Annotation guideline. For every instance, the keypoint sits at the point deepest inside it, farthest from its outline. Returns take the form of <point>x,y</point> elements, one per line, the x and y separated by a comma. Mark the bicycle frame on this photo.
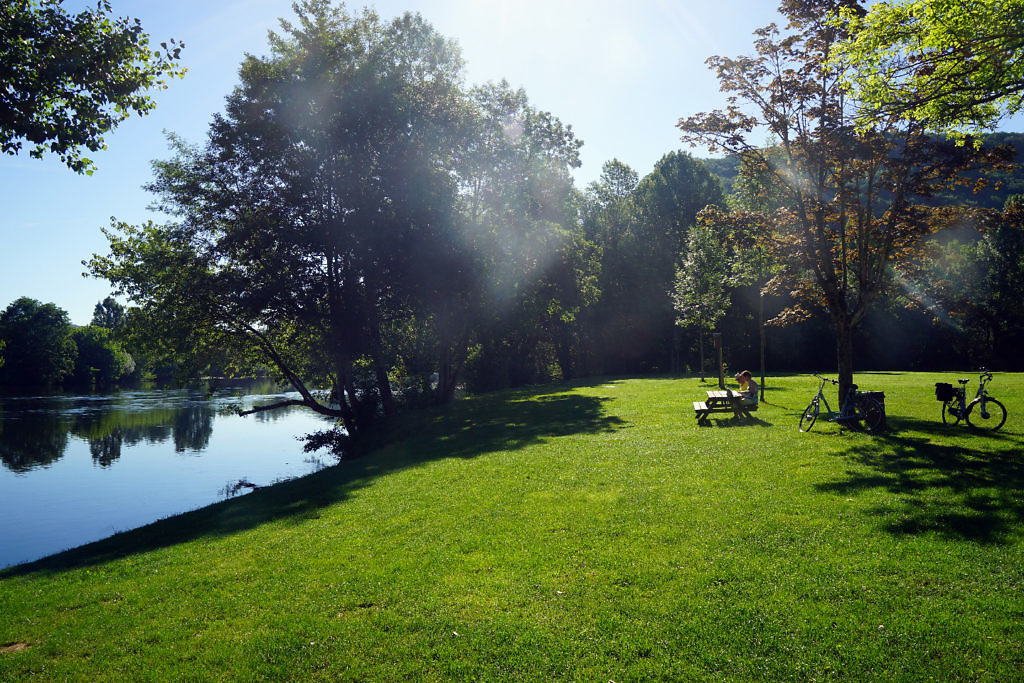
<point>960,394</point>
<point>982,393</point>
<point>852,408</point>
<point>821,397</point>
<point>845,405</point>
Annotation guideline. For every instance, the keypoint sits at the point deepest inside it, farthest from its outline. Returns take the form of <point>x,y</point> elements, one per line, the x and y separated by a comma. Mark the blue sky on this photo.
<point>620,73</point>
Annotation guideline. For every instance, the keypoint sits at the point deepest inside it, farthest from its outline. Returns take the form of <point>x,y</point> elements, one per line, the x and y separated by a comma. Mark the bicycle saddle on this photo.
<point>963,381</point>
<point>853,387</point>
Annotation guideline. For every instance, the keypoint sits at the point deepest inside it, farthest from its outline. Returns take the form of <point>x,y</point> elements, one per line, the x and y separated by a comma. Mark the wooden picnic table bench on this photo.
<point>722,401</point>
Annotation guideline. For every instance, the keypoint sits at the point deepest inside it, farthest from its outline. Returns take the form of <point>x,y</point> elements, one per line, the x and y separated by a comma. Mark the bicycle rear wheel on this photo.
<point>809,416</point>
<point>871,413</point>
<point>950,413</point>
<point>991,420</point>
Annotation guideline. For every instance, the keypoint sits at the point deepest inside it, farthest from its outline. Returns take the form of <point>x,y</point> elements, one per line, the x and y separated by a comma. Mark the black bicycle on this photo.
<point>983,412</point>
<point>853,408</point>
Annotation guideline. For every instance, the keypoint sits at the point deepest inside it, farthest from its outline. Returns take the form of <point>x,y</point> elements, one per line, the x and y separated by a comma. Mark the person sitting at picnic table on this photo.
<point>748,388</point>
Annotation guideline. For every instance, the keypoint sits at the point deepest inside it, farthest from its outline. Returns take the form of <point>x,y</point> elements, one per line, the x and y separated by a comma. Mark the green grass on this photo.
<point>588,532</point>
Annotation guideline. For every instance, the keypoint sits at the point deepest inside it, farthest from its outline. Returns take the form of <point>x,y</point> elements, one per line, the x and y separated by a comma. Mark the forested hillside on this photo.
<point>1000,187</point>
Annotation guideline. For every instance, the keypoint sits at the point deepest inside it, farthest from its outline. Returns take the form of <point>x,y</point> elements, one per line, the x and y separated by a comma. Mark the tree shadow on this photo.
<point>508,421</point>
<point>733,421</point>
<point>970,491</point>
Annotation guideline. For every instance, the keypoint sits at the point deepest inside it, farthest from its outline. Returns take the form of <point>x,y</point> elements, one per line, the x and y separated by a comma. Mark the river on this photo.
<point>78,468</point>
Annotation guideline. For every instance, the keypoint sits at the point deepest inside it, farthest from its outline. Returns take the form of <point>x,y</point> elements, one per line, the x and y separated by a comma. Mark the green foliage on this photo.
<point>109,314</point>
<point>533,270</point>
<point>70,78</point>
<point>576,532</point>
<point>699,295</point>
<point>101,360</point>
<point>724,168</point>
<point>950,65</point>
<point>974,286</point>
<point>986,187</point>
<point>317,211</point>
<point>641,227</point>
<point>39,350</point>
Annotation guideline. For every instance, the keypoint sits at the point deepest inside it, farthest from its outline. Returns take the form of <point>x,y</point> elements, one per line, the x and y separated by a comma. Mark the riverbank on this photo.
<point>589,532</point>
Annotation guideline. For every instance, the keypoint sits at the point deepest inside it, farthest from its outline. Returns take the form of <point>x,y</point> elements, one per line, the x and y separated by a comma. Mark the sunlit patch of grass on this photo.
<point>586,531</point>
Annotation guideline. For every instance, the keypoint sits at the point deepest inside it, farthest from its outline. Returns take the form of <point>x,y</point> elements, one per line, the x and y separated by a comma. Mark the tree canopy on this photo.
<point>70,78</point>
<point>356,211</point>
<point>39,350</point>
<point>109,314</point>
<point>699,294</point>
<point>101,360</point>
<point>955,65</point>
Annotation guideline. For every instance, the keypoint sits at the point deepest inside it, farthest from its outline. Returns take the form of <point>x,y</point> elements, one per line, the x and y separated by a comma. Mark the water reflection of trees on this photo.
<point>37,436</point>
<point>193,426</point>
<point>31,440</point>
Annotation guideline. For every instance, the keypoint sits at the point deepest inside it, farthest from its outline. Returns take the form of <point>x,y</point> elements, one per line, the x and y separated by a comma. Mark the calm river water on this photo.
<point>74,469</point>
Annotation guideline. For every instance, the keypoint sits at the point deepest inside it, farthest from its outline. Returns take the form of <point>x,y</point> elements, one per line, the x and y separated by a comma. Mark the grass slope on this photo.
<point>577,532</point>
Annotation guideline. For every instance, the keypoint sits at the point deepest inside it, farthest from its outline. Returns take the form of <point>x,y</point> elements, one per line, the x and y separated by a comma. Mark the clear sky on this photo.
<point>620,73</point>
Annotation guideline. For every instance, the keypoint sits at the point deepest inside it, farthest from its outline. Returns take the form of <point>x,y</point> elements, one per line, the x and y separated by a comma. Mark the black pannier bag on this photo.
<point>943,391</point>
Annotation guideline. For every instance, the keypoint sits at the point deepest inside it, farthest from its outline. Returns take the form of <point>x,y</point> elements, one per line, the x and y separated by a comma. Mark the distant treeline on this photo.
<point>961,308</point>
<point>39,347</point>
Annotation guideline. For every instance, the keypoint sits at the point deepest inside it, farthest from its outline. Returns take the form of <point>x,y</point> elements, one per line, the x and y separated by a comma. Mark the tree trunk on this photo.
<point>450,365</point>
<point>346,395</point>
<point>445,377</point>
<point>700,345</point>
<point>380,370</point>
<point>676,341</point>
<point>844,354</point>
<point>387,398</point>
<point>764,343</point>
<point>565,355</point>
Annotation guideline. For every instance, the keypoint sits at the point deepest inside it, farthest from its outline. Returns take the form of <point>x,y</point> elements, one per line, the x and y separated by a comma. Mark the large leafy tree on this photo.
<point>699,293</point>
<point>109,314</point>
<point>70,78</point>
<point>957,65</point>
<point>353,213</point>
<point>101,360</point>
<point>39,349</point>
<point>853,212</point>
<point>747,234</point>
<point>316,211</point>
<point>611,220</point>
<point>525,269</point>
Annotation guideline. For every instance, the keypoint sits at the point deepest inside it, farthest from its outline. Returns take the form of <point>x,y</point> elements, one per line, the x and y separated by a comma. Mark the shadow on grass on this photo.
<point>972,490</point>
<point>505,421</point>
<point>732,421</point>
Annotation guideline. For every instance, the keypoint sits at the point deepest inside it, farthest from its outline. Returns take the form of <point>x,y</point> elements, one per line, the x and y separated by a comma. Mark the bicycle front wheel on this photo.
<point>990,419</point>
<point>950,413</point>
<point>809,416</point>
<point>872,415</point>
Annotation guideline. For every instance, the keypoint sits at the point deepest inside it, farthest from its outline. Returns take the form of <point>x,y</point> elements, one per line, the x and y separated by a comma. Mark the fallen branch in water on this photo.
<point>274,406</point>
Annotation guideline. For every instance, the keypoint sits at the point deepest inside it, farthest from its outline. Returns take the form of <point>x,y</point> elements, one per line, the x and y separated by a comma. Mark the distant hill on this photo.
<point>725,168</point>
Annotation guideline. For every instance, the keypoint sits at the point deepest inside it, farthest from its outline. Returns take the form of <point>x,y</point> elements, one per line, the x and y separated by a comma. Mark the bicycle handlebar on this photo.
<point>826,379</point>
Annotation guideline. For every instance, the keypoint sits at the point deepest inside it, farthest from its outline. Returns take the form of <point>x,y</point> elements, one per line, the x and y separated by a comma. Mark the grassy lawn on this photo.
<point>588,532</point>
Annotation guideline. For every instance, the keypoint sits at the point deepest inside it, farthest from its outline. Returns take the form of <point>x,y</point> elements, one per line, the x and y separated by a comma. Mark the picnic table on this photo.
<point>722,401</point>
